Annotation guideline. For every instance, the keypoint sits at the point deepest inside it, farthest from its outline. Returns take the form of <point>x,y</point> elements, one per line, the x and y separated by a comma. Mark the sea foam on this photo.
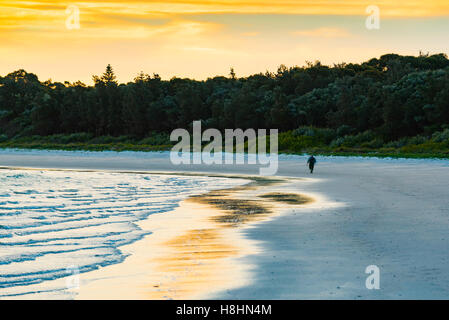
<point>53,220</point>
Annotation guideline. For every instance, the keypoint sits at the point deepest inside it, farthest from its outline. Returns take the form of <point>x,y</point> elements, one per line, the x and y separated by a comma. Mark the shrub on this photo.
<point>416,140</point>
<point>288,141</point>
<point>337,142</point>
<point>110,139</point>
<point>156,139</point>
<point>397,144</point>
<point>373,144</point>
<point>78,137</point>
<point>441,136</point>
<point>304,131</point>
<point>344,130</point>
<point>407,141</point>
<point>64,139</point>
<point>321,135</point>
<point>354,141</point>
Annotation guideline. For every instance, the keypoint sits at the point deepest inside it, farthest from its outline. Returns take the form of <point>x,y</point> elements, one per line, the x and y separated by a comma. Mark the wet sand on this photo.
<point>194,251</point>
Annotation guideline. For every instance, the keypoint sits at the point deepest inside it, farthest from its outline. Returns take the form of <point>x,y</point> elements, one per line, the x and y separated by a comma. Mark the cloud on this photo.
<point>397,8</point>
<point>250,34</point>
<point>324,32</point>
<point>202,38</point>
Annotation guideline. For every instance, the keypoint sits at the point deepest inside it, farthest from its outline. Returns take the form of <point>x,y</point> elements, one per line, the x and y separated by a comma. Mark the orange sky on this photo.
<point>200,38</point>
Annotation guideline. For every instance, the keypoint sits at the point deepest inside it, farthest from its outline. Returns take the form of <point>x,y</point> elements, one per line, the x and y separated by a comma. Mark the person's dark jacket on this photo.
<point>311,160</point>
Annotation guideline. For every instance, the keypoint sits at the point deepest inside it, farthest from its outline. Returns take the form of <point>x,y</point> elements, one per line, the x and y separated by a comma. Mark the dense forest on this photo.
<point>394,104</point>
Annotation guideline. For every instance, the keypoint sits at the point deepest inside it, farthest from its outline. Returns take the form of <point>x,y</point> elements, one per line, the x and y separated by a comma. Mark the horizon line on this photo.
<point>332,65</point>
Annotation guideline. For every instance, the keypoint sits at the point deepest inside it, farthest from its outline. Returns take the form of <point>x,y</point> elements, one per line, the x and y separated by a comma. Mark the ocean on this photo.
<point>53,223</point>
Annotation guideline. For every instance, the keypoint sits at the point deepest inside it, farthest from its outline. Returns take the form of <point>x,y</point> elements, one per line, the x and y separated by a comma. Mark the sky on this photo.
<point>200,38</point>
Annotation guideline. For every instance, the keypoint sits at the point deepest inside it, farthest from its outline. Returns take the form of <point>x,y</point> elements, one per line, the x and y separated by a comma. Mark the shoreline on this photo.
<point>198,253</point>
<point>350,152</point>
<point>197,256</point>
<point>385,212</point>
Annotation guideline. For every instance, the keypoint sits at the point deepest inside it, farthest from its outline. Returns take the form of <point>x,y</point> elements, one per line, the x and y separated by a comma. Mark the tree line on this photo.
<point>384,99</point>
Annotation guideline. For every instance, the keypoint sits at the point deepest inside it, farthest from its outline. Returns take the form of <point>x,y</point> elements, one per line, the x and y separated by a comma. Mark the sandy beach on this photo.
<point>357,212</point>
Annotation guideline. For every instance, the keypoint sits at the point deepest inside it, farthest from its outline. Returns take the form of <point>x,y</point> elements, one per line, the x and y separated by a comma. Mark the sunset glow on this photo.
<point>200,39</point>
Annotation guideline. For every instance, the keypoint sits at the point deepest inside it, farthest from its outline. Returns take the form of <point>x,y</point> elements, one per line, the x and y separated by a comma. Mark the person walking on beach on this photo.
<point>311,162</point>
